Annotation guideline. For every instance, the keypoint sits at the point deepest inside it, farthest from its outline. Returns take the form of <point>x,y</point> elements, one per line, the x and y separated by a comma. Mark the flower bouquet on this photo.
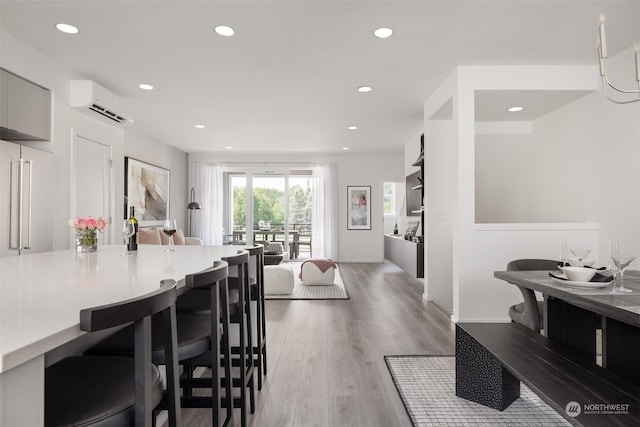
<point>87,232</point>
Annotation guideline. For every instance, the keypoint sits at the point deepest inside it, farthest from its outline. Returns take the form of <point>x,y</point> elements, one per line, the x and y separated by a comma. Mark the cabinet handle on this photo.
<point>20,163</point>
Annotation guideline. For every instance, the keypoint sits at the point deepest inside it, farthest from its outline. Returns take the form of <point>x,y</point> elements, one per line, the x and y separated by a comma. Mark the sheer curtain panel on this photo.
<point>210,192</point>
<point>324,211</point>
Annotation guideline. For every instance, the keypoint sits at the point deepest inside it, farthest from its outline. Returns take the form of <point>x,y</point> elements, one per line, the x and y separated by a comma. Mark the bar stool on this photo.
<point>239,282</point>
<point>196,335</point>
<point>113,390</point>
<point>213,284</point>
<point>256,282</point>
<point>240,314</point>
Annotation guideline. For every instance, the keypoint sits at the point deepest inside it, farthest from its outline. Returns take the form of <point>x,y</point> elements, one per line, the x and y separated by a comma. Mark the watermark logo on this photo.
<point>573,409</point>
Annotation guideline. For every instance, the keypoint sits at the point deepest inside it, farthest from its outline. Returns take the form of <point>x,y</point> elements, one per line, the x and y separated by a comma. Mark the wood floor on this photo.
<point>326,358</point>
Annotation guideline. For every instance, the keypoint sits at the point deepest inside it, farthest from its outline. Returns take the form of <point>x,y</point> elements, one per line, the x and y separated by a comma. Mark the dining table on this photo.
<point>41,296</point>
<point>596,323</point>
<point>272,235</point>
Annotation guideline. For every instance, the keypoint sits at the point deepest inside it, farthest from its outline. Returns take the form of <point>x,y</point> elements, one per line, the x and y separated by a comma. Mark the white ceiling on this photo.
<point>287,80</point>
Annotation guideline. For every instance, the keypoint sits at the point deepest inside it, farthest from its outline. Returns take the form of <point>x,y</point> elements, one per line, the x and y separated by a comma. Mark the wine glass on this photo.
<point>564,250</point>
<point>621,262</point>
<point>128,230</point>
<point>581,254</point>
<point>170,229</point>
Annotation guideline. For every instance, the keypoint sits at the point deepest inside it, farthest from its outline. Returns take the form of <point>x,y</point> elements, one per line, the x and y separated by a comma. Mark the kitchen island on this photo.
<point>41,296</point>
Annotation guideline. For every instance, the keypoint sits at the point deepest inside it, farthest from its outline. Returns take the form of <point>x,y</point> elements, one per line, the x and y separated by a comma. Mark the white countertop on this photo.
<point>41,295</point>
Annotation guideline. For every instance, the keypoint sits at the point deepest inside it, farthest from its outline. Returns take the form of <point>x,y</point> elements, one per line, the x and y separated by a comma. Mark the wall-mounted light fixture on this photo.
<point>193,205</point>
<point>602,55</point>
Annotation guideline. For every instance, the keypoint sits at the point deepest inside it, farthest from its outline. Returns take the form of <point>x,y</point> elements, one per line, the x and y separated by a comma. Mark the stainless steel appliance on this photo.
<point>26,199</point>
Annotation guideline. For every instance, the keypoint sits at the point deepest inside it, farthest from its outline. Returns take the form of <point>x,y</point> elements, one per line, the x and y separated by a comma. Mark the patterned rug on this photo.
<point>427,387</point>
<point>336,291</point>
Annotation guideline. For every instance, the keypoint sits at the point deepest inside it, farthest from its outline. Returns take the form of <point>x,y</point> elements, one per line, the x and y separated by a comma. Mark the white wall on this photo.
<point>31,64</point>
<point>353,169</point>
<point>479,249</point>
<point>440,179</point>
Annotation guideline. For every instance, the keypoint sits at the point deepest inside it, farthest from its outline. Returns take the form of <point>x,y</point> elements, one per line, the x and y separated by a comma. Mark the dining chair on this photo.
<point>529,313</point>
<point>117,390</point>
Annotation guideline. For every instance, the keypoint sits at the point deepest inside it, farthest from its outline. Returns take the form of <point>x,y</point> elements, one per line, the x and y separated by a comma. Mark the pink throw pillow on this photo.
<point>149,236</point>
<point>178,238</point>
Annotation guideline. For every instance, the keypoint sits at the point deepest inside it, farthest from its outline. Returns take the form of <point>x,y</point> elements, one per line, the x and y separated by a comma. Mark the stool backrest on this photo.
<point>121,313</point>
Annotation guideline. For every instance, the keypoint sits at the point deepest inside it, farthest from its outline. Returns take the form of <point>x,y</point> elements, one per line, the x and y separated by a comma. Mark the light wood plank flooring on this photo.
<point>326,358</point>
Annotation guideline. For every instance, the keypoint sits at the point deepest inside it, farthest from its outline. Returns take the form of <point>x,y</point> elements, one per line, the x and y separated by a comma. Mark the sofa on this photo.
<point>155,236</point>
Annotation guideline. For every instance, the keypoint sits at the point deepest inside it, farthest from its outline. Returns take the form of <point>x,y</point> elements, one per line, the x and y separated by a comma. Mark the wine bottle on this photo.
<point>132,245</point>
<point>395,229</point>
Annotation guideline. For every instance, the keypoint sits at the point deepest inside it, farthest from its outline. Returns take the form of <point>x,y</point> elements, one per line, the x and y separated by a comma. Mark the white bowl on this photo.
<point>579,274</point>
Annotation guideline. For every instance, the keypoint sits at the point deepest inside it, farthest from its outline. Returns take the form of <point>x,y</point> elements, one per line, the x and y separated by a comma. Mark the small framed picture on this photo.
<point>359,207</point>
<point>147,190</point>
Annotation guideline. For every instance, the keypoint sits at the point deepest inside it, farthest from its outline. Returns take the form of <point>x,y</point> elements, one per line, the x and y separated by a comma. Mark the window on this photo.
<point>389,198</point>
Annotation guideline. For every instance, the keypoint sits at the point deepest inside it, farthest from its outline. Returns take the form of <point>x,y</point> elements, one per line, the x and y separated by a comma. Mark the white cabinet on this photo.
<point>25,109</point>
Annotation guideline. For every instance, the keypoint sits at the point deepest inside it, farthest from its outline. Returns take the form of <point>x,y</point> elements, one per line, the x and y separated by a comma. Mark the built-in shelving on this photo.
<point>420,163</point>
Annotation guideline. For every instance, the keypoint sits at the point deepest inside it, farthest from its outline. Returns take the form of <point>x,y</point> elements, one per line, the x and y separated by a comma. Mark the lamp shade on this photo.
<point>192,202</point>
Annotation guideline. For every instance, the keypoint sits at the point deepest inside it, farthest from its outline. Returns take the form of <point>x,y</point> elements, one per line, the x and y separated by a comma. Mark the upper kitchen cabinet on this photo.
<point>25,109</point>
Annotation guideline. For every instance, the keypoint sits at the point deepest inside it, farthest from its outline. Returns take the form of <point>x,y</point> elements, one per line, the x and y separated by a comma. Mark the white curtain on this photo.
<point>324,211</point>
<point>210,195</point>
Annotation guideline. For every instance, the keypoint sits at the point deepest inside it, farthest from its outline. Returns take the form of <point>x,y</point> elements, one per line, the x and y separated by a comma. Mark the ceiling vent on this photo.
<point>97,101</point>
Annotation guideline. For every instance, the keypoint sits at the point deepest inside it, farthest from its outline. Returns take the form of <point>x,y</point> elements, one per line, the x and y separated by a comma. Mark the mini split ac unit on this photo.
<point>92,98</point>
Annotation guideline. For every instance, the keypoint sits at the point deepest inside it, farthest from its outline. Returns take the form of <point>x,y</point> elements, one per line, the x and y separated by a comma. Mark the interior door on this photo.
<point>93,180</point>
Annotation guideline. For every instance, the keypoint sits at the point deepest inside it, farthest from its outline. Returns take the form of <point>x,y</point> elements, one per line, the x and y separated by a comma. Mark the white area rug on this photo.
<point>427,386</point>
<point>300,291</point>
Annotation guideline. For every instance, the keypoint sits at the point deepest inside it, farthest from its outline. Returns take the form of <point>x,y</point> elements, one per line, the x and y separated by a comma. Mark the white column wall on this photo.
<point>479,249</point>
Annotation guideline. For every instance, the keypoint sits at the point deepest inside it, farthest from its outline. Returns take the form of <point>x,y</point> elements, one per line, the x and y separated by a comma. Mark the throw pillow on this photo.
<point>149,236</point>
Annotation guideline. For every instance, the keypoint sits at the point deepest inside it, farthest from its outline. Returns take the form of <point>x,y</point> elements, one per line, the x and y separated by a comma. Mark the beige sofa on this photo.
<point>155,236</point>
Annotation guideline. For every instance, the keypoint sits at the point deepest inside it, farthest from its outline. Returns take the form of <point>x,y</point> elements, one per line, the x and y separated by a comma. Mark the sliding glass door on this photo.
<point>272,208</point>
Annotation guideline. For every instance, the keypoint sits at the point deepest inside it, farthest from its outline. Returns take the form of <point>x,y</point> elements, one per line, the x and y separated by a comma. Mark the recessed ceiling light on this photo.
<point>515,109</point>
<point>365,89</point>
<point>228,147</point>
<point>353,128</point>
<point>66,28</point>
<point>383,33</point>
<point>199,126</point>
<point>345,148</point>
<point>145,86</point>
<point>223,30</point>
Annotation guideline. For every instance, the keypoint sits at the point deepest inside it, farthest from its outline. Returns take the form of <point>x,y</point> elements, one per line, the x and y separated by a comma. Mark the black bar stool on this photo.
<point>239,283</point>
<point>116,390</point>
<point>256,282</point>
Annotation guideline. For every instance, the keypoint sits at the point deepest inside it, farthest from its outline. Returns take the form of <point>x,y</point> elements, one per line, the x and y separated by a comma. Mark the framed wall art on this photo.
<point>359,207</point>
<point>146,187</point>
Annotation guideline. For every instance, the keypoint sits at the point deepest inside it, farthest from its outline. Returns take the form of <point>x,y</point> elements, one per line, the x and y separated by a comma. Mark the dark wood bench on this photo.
<point>493,358</point>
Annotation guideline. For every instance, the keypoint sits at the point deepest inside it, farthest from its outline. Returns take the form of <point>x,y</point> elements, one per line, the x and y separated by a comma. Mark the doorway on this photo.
<point>92,183</point>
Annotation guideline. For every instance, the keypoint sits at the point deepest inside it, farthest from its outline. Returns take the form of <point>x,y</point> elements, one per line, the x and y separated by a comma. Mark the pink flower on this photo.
<point>90,222</point>
<point>101,223</point>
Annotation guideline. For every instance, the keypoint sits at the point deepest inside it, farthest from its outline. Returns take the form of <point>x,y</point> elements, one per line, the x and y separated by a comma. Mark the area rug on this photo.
<point>301,292</point>
<point>427,387</point>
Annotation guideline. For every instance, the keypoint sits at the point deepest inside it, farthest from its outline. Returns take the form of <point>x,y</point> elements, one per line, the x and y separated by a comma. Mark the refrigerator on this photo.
<point>26,199</point>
